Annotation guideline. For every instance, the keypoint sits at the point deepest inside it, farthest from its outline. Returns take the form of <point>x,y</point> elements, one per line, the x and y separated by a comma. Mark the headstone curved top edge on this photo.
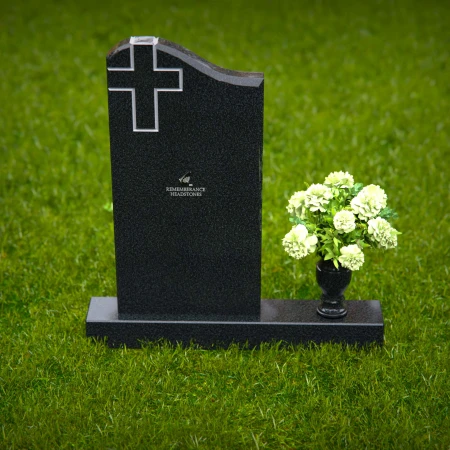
<point>235,77</point>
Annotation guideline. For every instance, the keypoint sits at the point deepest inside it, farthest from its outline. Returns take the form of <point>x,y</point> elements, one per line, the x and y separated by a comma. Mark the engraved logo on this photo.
<point>185,178</point>
<point>188,189</point>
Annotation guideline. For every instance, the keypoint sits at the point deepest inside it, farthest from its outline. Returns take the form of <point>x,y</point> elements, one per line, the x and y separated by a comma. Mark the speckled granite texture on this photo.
<point>185,254</point>
<point>292,321</point>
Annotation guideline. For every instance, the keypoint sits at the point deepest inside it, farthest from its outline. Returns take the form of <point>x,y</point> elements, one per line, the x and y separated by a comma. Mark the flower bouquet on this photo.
<point>337,220</point>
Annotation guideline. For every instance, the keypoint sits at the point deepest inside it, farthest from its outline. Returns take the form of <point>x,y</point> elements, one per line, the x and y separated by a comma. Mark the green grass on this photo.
<point>357,86</point>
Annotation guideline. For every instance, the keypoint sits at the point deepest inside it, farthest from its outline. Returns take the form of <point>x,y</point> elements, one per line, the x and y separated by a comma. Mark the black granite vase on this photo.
<point>333,283</point>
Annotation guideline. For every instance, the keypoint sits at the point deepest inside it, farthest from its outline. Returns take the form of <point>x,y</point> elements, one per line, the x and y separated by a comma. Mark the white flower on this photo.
<point>351,257</point>
<point>382,232</point>
<point>317,197</point>
<point>344,221</point>
<point>340,179</point>
<point>298,243</point>
<point>369,202</point>
<point>296,204</point>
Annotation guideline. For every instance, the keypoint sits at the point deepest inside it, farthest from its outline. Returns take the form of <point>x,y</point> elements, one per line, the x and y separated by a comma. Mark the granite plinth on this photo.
<point>292,321</point>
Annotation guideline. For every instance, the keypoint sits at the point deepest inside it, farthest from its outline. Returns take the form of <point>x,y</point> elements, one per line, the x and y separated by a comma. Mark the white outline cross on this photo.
<point>153,42</point>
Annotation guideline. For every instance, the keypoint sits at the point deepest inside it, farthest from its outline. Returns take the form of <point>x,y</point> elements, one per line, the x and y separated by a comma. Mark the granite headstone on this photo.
<point>186,142</point>
<point>186,147</point>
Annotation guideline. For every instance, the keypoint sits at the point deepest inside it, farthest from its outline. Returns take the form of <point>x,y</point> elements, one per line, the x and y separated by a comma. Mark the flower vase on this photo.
<point>333,283</point>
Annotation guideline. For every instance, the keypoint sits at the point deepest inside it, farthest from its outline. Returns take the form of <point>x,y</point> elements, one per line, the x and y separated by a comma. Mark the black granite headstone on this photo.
<point>186,147</point>
<point>186,155</point>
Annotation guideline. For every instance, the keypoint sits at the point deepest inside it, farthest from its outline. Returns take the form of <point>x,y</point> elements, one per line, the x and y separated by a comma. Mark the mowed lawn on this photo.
<point>349,85</point>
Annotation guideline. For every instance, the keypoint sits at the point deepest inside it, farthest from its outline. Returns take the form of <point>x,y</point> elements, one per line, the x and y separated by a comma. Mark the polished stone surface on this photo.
<point>187,197</point>
<point>292,321</point>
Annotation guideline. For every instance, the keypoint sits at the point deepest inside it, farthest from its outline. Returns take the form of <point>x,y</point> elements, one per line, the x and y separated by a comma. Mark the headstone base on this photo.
<point>291,321</point>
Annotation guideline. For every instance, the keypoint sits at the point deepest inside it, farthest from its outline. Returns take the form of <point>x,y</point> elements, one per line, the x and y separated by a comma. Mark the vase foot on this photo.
<point>331,313</point>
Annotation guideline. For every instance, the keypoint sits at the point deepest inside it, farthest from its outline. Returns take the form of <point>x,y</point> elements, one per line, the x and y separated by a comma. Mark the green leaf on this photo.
<point>356,188</point>
<point>297,221</point>
<point>388,213</point>
<point>362,245</point>
<point>108,206</point>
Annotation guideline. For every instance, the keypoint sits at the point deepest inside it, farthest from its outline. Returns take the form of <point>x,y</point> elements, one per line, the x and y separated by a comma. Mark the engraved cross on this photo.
<point>144,81</point>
